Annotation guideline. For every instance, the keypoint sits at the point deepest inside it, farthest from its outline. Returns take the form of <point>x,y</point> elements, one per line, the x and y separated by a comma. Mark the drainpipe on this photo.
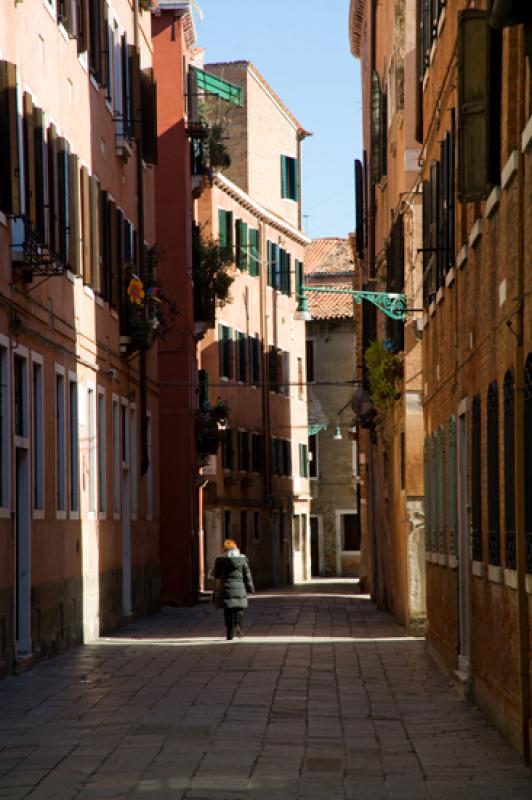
<point>265,386</point>
<point>517,326</point>
<point>144,457</point>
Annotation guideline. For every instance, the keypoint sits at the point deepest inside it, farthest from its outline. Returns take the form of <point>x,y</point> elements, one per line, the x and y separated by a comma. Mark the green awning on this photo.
<point>212,84</point>
<point>316,428</point>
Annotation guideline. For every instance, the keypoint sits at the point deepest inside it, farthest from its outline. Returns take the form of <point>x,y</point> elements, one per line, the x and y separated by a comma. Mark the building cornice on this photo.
<point>234,191</point>
<point>357,10</point>
<point>180,8</point>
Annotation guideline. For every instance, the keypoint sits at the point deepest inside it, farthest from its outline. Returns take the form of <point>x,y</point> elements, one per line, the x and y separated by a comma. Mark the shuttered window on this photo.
<point>148,87</point>
<point>227,450</point>
<point>29,158</point>
<point>509,469</point>
<point>94,199</point>
<point>86,266</point>
<point>479,70</point>
<point>359,207</point>
<point>476,495</point>
<point>303,460</point>
<point>274,271</point>
<point>74,260</point>
<point>286,448</point>
<point>284,282</point>
<point>427,448</point>
<point>440,449</point>
<point>242,357</point>
<point>241,230</point>
<point>452,484</point>
<point>96,16</point>
<point>434,493</point>
<point>257,452</point>
<point>9,141</point>
<point>225,342</point>
<point>225,229</point>
<point>63,150</point>
<point>289,178</point>
<point>299,278</point>
<point>254,252</point>
<point>395,278</point>
<point>53,190</point>
<point>376,124</point>
<point>492,421</point>
<point>528,461</point>
<point>40,173</point>
<point>255,360</point>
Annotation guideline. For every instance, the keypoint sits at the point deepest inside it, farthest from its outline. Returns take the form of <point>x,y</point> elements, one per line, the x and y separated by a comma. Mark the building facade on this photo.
<point>79,535</point>
<point>474,68</point>
<point>388,239</point>
<point>257,487</point>
<point>336,521</point>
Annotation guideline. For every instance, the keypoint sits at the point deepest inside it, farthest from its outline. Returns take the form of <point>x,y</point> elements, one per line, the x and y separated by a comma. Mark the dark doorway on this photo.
<point>314,547</point>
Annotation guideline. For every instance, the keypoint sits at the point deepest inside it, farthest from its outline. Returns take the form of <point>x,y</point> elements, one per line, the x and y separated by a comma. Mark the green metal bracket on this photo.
<point>392,304</point>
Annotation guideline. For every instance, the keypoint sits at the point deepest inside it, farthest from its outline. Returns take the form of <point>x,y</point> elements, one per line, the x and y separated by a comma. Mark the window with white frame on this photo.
<point>60,450</point>
<point>116,457</point>
<point>91,436</point>
<point>117,76</point>
<point>73,444</point>
<point>133,459</point>
<point>102,453</point>
<point>124,434</point>
<point>4,427</point>
<point>20,378</point>
<point>149,472</point>
<point>38,436</point>
<point>350,532</point>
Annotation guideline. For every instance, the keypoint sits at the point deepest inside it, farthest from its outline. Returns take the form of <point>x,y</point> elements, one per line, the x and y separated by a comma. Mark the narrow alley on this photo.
<point>324,699</point>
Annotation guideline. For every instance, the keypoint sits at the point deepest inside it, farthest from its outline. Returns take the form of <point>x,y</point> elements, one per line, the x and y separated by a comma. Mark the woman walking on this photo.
<point>233,574</point>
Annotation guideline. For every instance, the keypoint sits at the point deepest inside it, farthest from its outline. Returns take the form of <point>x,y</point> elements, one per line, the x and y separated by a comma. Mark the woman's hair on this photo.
<point>230,544</point>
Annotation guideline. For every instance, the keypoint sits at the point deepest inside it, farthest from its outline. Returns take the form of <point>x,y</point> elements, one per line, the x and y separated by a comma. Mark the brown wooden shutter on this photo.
<point>359,207</point>
<point>74,227</point>
<point>62,178</point>
<point>473,106</point>
<point>95,43</point>
<point>105,56</point>
<point>83,26</point>
<point>105,245</point>
<point>94,192</point>
<point>38,128</point>
<point>9,140</point>
<point>376,143</point>
<point>149,116</point>
<point>53,190</point>
<point>117,238</point>
<point>86,227</point>
<point>135,101</point>
<point>29,158</point>
<point>113,249</point>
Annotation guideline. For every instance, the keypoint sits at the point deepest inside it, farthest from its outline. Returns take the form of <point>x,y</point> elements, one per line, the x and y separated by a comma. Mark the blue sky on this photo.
<point>302,49</point>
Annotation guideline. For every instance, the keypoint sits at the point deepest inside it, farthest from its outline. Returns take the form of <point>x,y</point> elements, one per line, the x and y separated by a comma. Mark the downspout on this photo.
<point>144,457</point>
<point>265,385</point>
<point>517,327</point>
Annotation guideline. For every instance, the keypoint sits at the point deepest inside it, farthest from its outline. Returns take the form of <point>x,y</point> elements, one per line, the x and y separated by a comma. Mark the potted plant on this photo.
<point>385,369</point>
<point>212,280</point>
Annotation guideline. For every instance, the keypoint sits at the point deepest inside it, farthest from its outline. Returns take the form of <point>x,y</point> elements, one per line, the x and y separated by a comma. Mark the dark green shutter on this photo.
<point>253,252</point>
<point>284,177</point>
<point>294,194</point>
<point>222,228</point>
<point>299,278</point>
<point>473,106</point>
<point>376,135</point>
<point>270,264</point>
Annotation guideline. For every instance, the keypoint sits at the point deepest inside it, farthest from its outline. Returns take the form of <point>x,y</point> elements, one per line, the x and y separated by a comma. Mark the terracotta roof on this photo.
<point>329,256</point>
<point>331,306</point>
<point>261,79</point>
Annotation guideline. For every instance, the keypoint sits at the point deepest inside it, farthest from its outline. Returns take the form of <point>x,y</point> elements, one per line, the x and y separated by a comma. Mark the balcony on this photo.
<point>30,256</point>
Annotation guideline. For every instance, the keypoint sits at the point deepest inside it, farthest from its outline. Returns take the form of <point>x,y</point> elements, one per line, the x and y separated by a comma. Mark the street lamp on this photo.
<point>392,304</point>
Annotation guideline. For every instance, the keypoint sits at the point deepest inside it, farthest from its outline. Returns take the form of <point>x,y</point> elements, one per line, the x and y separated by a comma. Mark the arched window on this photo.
<point>492,422</point>
<point>509,468</point>
<point>528,461</point>
<point>476,497</point>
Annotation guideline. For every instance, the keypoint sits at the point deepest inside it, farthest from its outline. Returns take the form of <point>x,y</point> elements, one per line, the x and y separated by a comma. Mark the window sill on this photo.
<point>442,560</point>
<point>38,513</point>
<point>112,312</point>
<point>526,136</point>
<point>476,233</point>
<point>60,515</point>
<point>492,203</point>
<point>510,169</point>
<point>5,513</point>
<point>88,291</point>
<point>477,568</point>
<point>510,578</point>
<point>452,562</point>
<point>449,277</point>
<point>461,261</point>
<point>3,219</point>
<point>439,295</point>
<point>494,573</point>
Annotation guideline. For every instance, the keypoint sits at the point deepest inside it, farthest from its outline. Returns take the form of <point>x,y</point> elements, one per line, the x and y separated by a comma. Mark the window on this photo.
<point>242,357</point>
<point>286,448</point>
<point>254,252</point>
<point>60,453</point>
<point>274,268</point>
<point>313,455</point>
<point>116,458</point>
<point>300,391</point>
<point>241,244</point>
<point>92,438</point>
<point>303,460</point>
<point>255,360</point>
<point>528,460</point>
<point>427,472</point>
<point>38,437</point>
<point>476,497</point>
<point>276,456</point>
<point>350,532</point>
<point>299,277</point>
<point>133,459</point>
<point>149,472</point>
<point>509,469</point>
<point>101,448</point>
<point>225,345</point>
<point>310,360</point>
<point>256,525</point>
<point>73,419</point>
<point>243,451</point>
<point>225,229</point>
<point>289,178</point>
<point>227,449</point>
<point>492,421</point>
<point>440,487</point>
<point>21,396</point>
<point>124,434</point>
<point>5,436</point>
<point>257,452</point>
<point>284,280</point>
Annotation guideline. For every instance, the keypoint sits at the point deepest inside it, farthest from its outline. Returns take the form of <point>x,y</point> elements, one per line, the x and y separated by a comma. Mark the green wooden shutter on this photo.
<point>222,227</point>
<point>275,266</point>
<point>426,494</point>
<point>288,258</point>
<point>473,106</point>
<point>284,176</point>
<point>294,194</point>
<point>253,236</point>
<point>270,264</point>
<point>376,141</point>
<point>299,278</point>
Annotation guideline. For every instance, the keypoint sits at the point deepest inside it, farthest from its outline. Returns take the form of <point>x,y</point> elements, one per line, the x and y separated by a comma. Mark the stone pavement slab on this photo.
<point>324,699</point>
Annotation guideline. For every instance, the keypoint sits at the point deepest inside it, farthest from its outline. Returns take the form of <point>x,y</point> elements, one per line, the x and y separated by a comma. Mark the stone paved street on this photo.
<point>325,699</point>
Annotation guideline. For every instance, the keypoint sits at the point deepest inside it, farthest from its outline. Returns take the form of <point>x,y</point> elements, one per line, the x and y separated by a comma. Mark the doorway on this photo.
<point>315,565</point>
<point>463,548</point>
<point>22,554</point>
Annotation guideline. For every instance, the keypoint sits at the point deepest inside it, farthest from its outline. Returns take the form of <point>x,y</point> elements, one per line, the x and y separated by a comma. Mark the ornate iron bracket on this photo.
<point>392,304</point>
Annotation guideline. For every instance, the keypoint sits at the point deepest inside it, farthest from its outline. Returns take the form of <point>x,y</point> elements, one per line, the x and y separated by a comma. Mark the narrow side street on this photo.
<point>325,698</point>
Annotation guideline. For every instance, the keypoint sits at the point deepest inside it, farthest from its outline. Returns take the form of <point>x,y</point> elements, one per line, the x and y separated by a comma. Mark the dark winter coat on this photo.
<point>234,580</point>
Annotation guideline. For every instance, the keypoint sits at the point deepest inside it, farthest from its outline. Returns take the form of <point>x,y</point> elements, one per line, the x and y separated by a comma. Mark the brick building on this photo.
<point>475,128</point>
<point>337,517</point>
<point>388,235</point>
<point>79,540</point>
<point>257,487</point>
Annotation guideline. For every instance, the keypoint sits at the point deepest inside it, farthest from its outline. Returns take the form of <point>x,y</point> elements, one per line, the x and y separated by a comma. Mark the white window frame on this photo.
<point>101,439</point>
<point>124,435</point>
<point>133,450</point>
<point>340,512</point>
<point>117,464</point>
<point>38,432</point>
<point>92,451</point>
<point>60,463</point>
<point>22,441</point>
<point>149,471</point>
<point>73,454</point>
<point>5,454</point>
